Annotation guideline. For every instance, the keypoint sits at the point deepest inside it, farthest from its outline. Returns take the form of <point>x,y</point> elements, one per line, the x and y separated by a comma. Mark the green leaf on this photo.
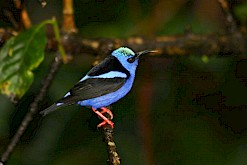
<point>205,59</point>
<point>18,57</point>
<point>241,12</point>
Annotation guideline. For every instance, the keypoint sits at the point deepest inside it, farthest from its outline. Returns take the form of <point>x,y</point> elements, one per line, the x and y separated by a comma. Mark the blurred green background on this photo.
<point>181,111</point>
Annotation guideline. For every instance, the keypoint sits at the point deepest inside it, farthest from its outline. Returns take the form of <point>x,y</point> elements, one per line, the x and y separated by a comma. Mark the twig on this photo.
<point>231,22</point>
<point>24,15</point>
<point>59,41</point>
<point>18,4</point>
<point>113,156</point>
<point>33,109</point>
<point>25,18</point>
<point>238,39</point>
<point>68,17</point>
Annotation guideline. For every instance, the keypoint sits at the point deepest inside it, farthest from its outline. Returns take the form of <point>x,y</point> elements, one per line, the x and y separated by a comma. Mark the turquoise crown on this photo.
<point>125,51</point>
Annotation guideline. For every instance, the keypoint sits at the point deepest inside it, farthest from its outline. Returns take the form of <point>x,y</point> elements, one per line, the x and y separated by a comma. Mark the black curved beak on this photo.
<point>138,54</point>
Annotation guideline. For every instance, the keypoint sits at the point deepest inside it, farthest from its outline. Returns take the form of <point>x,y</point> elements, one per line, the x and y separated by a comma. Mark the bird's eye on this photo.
<point>131,59</point>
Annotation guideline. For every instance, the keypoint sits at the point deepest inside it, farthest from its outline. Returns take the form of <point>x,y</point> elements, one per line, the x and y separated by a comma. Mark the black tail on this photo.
<point>52,108</point>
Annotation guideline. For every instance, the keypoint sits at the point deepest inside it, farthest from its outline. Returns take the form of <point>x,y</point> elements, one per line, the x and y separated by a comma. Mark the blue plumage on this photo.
<point>109,98</point>
<point>104,84</point>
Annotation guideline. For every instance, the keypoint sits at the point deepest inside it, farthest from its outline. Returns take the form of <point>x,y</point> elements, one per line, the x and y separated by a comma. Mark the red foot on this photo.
<point>108,111</point>
<point>100,114</point>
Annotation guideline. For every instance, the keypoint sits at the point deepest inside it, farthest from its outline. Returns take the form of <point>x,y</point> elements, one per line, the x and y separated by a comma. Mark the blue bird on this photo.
<point>104,84</point>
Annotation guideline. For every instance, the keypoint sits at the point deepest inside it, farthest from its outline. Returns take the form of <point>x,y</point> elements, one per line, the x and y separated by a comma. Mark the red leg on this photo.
<point>104,118</point>
<point>108,111</point>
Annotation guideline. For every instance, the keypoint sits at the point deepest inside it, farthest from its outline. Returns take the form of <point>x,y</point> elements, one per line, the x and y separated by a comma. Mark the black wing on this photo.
<point>91,88</point>
<point>110,63</point>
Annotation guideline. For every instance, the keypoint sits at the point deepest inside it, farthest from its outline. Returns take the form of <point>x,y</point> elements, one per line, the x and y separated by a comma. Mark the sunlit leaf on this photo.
<point>18,57</point>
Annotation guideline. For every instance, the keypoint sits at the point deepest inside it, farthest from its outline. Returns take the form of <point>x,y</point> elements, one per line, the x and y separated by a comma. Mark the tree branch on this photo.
<point>24,15</point>
<point>68,17</point>
<point>168,46</point>
<point>25,18</point>
<point>113,156</point>
<point>220,45</point>
<point>33,109</point>
<point>238,40</point>
<point>231,22</point>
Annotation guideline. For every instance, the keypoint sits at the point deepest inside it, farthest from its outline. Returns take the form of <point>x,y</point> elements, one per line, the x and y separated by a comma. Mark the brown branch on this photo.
<point>33,109</point>
<point>231,22</point>
<point>239,40</point>
<point>168,46</point>
<point>25,18</point>
<point>113,156</point>
<point>68,17</point>
<point>24,15</point>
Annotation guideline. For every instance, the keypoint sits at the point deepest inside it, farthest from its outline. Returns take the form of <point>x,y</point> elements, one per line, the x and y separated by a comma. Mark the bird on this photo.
<point>104,84</point>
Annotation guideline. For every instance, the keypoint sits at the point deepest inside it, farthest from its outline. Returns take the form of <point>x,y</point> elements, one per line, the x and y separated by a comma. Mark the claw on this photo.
<point>106,121</point>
